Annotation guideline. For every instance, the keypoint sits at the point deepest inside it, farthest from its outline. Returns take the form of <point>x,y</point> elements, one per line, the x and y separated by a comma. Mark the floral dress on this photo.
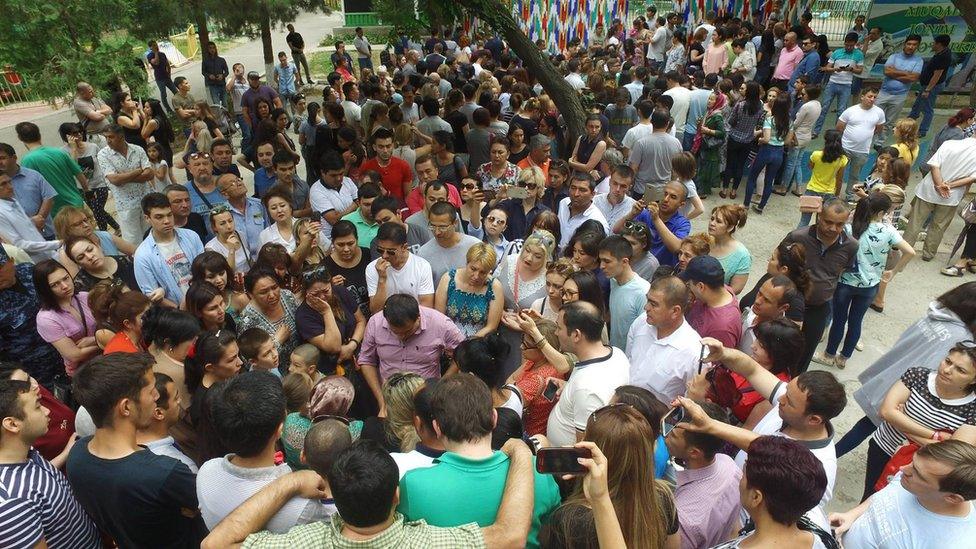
<point>469,311</point>
<point>252,317</point>
<point>492,183</point>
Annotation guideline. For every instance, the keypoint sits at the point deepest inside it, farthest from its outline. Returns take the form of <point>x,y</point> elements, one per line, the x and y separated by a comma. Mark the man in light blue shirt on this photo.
<point>16,227</point>
<point>901,70</point>
<point>808,66</point>
<point>163,259</point>
<point>248,212</point>
<point>34,194</point>
<point>284,75</point>
<point>844,63</point>
<point>628,291</point>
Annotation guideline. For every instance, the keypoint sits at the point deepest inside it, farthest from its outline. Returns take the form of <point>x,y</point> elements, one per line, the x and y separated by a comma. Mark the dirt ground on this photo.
<point>907,299</point>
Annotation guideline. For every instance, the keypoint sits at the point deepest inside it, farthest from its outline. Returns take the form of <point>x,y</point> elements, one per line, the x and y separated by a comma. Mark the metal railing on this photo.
<point>15,89</point>
<point>834,18</point>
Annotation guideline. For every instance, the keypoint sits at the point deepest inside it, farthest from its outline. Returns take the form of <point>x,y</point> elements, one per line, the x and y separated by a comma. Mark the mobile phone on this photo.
<point>560,461</point>
<point>653,193</point>
<point>674,416</point>
<point>490,194</point>
<point>316,215</point>
<point>701,358</point>
<point>518,192</point>
<point>549,393</point>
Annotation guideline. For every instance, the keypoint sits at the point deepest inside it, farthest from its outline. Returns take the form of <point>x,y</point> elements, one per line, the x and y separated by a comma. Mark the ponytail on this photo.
<point>866,209</point>
<point>208,349</point>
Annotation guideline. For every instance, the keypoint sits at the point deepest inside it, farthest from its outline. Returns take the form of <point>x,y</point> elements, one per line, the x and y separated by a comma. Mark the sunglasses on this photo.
<point>599,411</point>
<point>194,156</point>
<point>529,186</point>
<point>219,209</point>
<point>636,227</point>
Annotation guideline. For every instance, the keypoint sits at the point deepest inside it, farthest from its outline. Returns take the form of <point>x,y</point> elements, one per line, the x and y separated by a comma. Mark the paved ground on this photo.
<point>312,26</point>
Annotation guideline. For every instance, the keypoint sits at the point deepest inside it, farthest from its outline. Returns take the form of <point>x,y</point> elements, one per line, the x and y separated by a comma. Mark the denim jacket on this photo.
<point>151,269</point>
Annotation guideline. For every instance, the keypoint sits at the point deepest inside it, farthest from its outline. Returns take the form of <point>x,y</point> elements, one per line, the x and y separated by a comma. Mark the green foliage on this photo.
<point>400,15</point>
<point>244,17</point>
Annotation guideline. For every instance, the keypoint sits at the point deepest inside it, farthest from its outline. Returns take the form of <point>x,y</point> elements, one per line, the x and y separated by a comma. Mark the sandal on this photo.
<point>825,359</point>
<point>756,208</point>
<point>952,271</point>
<point>723,194</point>
<point>732,194</point>
<point>796,193</point>
<point>971,266</point>
<point>878,308</point>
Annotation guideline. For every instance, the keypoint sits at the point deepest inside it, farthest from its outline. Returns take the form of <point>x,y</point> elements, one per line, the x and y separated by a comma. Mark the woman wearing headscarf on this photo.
<point>709,144</point>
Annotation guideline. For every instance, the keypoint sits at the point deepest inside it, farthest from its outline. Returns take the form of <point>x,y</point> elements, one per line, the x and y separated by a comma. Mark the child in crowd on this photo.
<point>162,172</point>
<point>305,359</point>
<point>258,351</point>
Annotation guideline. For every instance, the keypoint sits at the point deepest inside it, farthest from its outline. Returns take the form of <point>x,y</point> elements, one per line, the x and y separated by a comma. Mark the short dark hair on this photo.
<point>257,273</point>
<point>10,391</point>
<point>246,411</point>
<point>103,381</point>
<point>430,106</point>
<point>708,444</point>
<point>221,142</point>
<point>913,38</point>
<point>28,132</point>
<point>324,442</point>
<point>422,405</point>
<point>277,191</point>
<point>250,340</point>
<point>401,309</point>
<point>826,396</point>
<point>444,208</point>
<point>210,262</point>
<point>162,401</point>
<point>330,161</point>
<point>344,227</point>
<point>179,80</point>
<point>282,157</point>
<point>483,357</point>
<point>391,232</point>
<point>660,117</point>
<point>166,327</point>
<point>645,108</point>
<point>585,177</point>
<point>942,39</point>
<point>154,201</point>
<point>617,246</point>
<point>384,202</point>
<point>462,407</point>
<point>363,480</point>
<point>585,317</point>
<point>791,479</point>
<point>367,190</point>
<point>381,133</point>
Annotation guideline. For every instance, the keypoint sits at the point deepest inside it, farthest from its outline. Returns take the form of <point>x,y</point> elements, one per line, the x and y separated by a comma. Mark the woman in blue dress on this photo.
<point>470,296</point>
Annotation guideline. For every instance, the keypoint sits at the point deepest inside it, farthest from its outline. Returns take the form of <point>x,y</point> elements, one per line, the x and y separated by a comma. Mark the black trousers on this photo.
<point>815,320</point>
<point>877,459</point>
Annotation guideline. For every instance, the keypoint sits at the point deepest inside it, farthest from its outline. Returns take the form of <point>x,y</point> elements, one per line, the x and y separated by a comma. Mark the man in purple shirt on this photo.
<point>406,338</point>
<point>715,312</point>
<point>249,99</point>
<point>706,491</point>
<point>666,227</point>
<point>161,73</point>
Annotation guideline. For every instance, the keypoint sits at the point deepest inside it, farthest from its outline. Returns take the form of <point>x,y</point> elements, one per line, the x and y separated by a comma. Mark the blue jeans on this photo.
<point>166,84</point>
<point>925,106</point>
<point>850,304</point>
<point>245,134</point>
<point>840,92</point>
<point>806,216</point>
<point>217,95</point>
<point>365,63</point>
<point>687,140</point>
<point>855,163</point>
<point>794,169</point>
<point>769,157</point>
<point>856,89</point>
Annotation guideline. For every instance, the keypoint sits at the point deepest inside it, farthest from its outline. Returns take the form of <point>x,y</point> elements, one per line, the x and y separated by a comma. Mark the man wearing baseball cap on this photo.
<point>256,90</point>
<point>715,312</point>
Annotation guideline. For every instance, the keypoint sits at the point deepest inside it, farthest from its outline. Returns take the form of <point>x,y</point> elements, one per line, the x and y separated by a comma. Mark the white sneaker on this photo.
<point>859,346</point>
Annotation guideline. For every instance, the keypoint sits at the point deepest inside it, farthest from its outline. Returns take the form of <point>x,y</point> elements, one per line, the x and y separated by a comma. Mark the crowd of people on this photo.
<point>370,355</point>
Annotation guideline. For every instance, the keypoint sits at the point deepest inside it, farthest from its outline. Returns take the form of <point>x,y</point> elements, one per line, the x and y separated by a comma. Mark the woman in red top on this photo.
<point>531,379</point>
<point>778,347</point>
<point>60,437</point>
<point>120,309</point>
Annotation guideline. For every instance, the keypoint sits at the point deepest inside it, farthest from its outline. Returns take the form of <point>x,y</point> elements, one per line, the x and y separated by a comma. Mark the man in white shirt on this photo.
<point>636,86</point>
<point>659,44</point>
<point>350,105</point>
<point>397,271</point>
<point>663,348</point>
<point>247,413</point>
<point>859,124</point>
<point>333,196</point>
<point>595,377</point>
<point>573,78</point>
<point>952,171</point>
<point>578,207</point>
<point>682,100</point>
<point>127,170</point>
<point>928,504</point>
<point>616,203</point>
<point>641,130</point>
<point>16,227</point>
<point>775,297</point>
<point>802,410</point>
<point>364,52</point>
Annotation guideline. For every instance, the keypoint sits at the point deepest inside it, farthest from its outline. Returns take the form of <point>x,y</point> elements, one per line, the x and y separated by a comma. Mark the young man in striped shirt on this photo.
<point>37,506</point>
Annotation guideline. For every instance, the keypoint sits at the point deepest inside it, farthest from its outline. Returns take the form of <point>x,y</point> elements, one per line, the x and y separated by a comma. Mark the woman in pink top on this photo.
<point>64,319</point>
<point>716,54</point>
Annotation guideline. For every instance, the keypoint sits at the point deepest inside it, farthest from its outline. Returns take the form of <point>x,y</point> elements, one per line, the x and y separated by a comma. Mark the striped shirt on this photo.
<point>36,502</point>
<point>926,408</point>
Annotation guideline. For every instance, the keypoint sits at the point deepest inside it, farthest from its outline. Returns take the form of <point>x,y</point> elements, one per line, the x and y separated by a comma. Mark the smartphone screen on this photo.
<point>673,417</point>
<point>518,192</point>
<point>653,193</point>
<point>560,461</point>
<point>549,393</point>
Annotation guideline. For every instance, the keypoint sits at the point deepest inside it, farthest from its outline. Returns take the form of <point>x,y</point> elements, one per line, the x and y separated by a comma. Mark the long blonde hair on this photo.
<point>906,133</point>
<point>398,392</point>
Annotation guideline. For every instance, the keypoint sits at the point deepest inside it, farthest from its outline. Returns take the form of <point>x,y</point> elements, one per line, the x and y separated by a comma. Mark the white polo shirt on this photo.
<point>610,212</point>
<point>569,223</point>
<point>414,278</point>
<point>324,199</point>
<point>663,366</point>
<point>590,387</point>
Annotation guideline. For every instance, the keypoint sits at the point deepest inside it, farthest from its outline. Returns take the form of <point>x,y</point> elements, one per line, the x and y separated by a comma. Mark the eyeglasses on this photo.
<point>636,227</point>
<point>495,220</point>
<point>324,417</point>
<point>439,228</point>
<point>568,293</point>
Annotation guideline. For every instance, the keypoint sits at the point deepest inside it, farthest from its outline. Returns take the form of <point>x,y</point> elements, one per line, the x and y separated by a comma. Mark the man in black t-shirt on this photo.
<point>297,45</point>
<point>932,82</point>
<point>139,498</point>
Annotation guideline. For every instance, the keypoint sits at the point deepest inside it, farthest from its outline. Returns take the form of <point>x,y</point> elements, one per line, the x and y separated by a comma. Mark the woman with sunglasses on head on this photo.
<point>533,376</point>
<point>215,358</point>
<point>643,263</point>
<point>212,267</point>
<point>556,274</point>
<point>645,507</point>
<point>79,221</point>
<point>227,241</point>
<point>64,319</point>
<point>330,319</point>
<point>395,432</point>
<point>272,309</point>
<point>330,398</point>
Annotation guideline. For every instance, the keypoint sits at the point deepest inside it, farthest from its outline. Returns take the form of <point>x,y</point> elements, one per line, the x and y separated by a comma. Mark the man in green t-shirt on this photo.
<point>468,481</point>
<point>59,169</point>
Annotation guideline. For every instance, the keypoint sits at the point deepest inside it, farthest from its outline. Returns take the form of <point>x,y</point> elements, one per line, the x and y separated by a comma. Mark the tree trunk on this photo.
<point>200,20</point>
<point>266,42</point>
<point>567,100</point>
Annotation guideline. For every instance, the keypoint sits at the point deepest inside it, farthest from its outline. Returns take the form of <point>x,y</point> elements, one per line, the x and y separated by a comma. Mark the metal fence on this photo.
<point>15,89</point>
<point>834,18</point>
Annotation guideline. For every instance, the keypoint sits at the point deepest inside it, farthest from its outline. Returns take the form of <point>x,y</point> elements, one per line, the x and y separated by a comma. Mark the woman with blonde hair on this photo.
<point>394,430</point>
<point>470,296</point>
<point>556,274</point>
<point>694,245</point>
<point>523,280</point>
<point>645,507</point>
<point>79,221</point>
<point>732,254</point>
<point>906,139</point>
<point>533,376</point>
